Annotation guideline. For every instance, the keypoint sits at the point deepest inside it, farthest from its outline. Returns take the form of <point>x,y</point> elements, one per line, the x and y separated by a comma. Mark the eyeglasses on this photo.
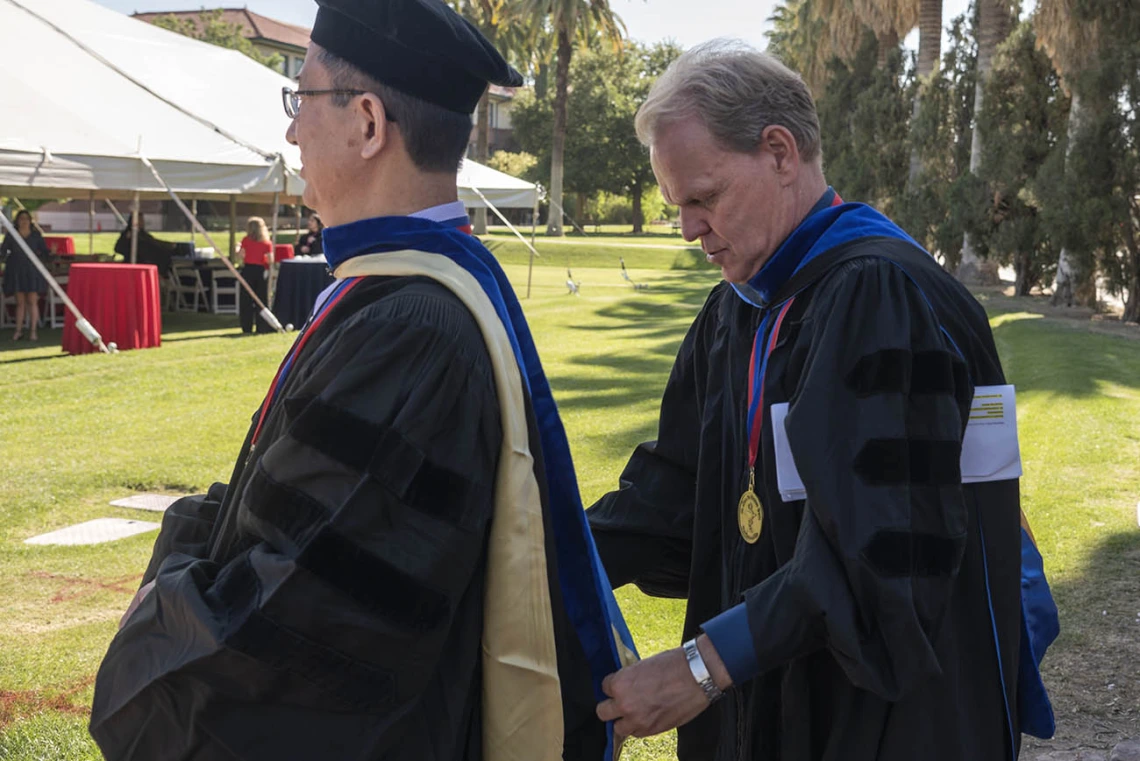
<point>291,99</point>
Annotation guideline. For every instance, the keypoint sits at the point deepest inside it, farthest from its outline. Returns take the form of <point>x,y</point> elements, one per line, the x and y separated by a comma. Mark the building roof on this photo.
<point>254,25</point>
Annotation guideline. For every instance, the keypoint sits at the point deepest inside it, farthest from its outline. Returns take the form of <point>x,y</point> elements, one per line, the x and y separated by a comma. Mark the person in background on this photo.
<point>150,250</point>
<point>311,243</point>
<point>257,260</point>
<point>21,278</point>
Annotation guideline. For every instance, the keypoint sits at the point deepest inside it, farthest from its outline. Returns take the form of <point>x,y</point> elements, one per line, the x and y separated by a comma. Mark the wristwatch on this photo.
<point>701,672</point>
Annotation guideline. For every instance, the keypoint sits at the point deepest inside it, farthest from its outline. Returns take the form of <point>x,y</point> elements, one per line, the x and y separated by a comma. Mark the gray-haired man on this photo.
<point>872,611</point>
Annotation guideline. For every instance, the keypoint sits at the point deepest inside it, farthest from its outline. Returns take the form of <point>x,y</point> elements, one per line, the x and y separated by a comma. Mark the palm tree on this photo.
<point>929,53</point>
<point>808,34</point>
<point>573,23</point>
<point>504,25</point>
<point>1069,39</point>
<point>890,20</point>
<point>994,23</point>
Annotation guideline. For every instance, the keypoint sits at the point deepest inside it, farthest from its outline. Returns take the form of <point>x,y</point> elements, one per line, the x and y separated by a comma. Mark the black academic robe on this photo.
<point>329,603</point>
<point>868,603</point>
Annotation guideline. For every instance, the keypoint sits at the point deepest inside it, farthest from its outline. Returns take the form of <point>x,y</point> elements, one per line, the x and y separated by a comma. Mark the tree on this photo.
<point>863,126</point>
<point>939,204</point>
<point>929,51</point>
<point>1022,121</point>
<point>994,22</point>
<point>507,28</point>
<point>574,23</point>
<point>514,164</point>
<point>1070,40</point>
<point>211,27</point>
<point>601,152</point>
<point>1095,197</point>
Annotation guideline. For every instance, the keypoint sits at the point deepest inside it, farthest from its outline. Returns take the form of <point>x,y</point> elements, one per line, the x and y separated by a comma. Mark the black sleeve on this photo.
<point>644,530</point>
<point>366,526</point>
<point>875,427</point>
<point>186,527</point>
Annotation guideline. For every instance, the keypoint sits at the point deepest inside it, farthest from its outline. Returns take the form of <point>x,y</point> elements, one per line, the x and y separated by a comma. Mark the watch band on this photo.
<point>700,671</point>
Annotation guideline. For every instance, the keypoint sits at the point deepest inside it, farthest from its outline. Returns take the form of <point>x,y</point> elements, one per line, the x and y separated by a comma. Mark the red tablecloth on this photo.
<point>60,244</point>
<point>283,252</point>
<point>120,300</point>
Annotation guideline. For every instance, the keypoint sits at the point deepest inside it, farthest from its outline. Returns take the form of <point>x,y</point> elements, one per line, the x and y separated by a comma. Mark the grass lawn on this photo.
<point>78,432</point>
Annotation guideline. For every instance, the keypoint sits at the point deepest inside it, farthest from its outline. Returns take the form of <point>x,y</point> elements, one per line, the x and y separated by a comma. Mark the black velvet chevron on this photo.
<point>290,510</point>
<point>885,462</point>
<point>346,680</point>
<point>373,582</point>
<point>385,454</point>
<point>904,553</point>
<point>897,371</point>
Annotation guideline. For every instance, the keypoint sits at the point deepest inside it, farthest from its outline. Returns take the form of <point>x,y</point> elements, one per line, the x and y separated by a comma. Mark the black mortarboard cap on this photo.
<point>420,47</point>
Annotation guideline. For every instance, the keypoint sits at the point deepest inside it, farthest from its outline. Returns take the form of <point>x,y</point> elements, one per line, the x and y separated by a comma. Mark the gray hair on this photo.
<point>436,138</point>
<point>737,92</point>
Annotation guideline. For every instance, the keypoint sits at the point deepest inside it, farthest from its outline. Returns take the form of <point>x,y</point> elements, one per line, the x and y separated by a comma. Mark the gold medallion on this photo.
<point>749,512</point>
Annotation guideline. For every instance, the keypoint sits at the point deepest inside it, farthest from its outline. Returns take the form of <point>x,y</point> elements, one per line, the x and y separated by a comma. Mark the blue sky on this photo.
<point>647,20</point>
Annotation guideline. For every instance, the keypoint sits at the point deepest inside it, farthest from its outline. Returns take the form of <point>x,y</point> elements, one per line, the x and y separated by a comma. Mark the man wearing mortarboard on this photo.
<point>399,567</point>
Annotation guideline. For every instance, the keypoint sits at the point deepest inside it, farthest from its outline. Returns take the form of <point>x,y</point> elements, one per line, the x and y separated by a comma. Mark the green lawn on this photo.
<point>78,432</point>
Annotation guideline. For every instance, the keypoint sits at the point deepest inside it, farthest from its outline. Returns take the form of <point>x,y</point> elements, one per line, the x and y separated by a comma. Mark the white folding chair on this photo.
<point>56,311</point>
<point>225,285</point>
<point>7,311</point>
<point>186,281</point>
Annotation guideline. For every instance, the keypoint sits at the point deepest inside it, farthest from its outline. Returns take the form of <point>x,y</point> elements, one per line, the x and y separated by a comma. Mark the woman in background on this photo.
<point>21,278</point>
<point>311,243</point>
<point>257,259</point>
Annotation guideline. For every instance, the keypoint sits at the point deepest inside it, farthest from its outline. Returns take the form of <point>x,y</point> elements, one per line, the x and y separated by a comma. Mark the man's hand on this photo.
<point>138,598</point>
<point>659,693</point>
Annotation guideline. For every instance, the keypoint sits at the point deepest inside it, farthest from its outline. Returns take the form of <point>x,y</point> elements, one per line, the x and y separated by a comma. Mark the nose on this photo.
<point>693,225</point>
<point>291,133</point>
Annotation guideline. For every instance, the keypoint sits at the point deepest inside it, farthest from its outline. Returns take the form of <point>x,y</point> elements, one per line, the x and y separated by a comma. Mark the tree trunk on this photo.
<point>993,26</point>
<point>888,43</point>
<point>1068,270</point>
<point>929,53</point>
<point>1132,303</point>
<point>1022,283</point>
<point>561,95</point>
<point>638,216</point>
<point>482,149</point>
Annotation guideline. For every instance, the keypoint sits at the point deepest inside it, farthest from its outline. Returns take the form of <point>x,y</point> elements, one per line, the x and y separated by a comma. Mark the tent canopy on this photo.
<point>94,90</point>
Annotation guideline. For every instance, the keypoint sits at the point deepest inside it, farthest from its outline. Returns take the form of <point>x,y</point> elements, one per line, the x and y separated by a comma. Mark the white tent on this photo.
<point>91,91</point>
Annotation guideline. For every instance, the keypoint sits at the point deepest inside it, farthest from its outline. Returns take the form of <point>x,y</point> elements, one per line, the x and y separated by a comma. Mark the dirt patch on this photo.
<point>17,703</point>
<point>76,587</point>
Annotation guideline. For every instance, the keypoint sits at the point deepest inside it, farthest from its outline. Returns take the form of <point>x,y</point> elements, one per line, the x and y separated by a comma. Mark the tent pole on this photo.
<point>91,224</point>
<point>193,231</point>
<point>273,229</point>
<point>533,225</point>
<point>266,315</point>
<point>81,323</point>
<point>273,242</point>
<point>233,227</point>
<point>118,216</point>
<point>135,229</point>
<point>499,214</point>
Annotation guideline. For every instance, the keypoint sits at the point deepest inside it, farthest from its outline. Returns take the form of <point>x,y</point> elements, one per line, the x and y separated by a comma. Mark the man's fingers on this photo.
<point>607,684</point>
<point>607,710</point>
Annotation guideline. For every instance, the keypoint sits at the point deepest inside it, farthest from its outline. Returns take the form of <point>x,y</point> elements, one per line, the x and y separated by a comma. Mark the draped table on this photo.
<point>120,300</point>
<point>299,282</point>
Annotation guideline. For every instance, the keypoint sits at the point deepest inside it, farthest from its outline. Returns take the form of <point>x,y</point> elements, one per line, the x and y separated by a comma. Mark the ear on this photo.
<point>780,143</point>
<point>373,125</point>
